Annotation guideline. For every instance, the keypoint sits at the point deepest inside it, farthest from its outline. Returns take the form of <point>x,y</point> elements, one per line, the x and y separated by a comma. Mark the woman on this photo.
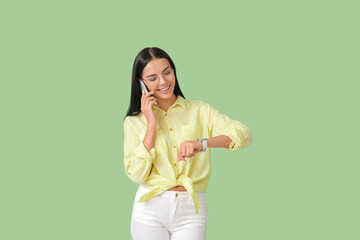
<point>167,141</point>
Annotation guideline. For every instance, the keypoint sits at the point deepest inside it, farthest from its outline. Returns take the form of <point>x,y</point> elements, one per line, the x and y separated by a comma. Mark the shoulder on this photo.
<point>133,121</point>
<point>199,105</point>
<point>194,103</point>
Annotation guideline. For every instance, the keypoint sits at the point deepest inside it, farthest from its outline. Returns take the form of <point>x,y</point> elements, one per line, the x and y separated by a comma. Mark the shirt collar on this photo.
<point>179,101</point>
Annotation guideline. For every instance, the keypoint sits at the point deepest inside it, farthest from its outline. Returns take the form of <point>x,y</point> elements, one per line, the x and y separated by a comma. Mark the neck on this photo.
<point>165,104</point>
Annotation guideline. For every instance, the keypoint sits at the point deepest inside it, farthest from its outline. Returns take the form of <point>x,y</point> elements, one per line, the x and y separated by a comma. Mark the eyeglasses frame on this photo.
<point>157,77</point>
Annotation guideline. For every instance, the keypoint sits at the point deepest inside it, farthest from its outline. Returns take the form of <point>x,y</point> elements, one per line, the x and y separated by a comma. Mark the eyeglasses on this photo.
<point>167,75</point>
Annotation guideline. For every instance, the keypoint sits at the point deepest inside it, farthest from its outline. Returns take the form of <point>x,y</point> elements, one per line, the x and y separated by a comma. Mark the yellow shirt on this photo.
<point>185,120</point>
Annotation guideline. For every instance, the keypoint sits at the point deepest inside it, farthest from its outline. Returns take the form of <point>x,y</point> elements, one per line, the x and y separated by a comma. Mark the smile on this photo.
<point>165,89</point>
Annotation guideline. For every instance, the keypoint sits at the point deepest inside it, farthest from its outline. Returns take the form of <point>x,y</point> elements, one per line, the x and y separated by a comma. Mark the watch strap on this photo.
<point>204,143</point>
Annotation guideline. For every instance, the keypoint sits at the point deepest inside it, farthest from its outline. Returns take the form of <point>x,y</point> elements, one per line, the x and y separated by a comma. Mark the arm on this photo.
<point>226,132</point>
<point>219,141</point>
<point>139,154</point>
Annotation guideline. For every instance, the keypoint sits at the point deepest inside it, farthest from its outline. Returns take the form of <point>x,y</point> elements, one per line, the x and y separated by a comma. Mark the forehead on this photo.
<point>155,66</point>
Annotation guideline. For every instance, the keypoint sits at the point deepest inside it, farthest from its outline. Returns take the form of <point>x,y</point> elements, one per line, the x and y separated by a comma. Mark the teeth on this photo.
<point>165,89</point>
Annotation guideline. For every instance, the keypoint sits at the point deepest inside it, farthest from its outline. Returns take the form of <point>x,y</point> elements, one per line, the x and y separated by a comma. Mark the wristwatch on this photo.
<point>204,143</point>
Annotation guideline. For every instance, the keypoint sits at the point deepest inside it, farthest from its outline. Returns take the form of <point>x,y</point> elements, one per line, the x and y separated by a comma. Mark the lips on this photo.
<point>164,89</point>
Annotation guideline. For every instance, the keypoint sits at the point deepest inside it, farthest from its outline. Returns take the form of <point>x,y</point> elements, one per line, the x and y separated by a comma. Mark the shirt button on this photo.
<point>165,114</point>
<point>174,146</point>
<point>174,164</point>
<point>129,173</point>
<point>176,194</point>
<point>170,129</point>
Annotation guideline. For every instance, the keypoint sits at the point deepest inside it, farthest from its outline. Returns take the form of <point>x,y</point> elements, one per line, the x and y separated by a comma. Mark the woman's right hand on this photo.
<point>147,102</point>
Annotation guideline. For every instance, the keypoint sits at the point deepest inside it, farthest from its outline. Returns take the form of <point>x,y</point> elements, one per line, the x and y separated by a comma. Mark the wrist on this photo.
<point>203,142</point>
<point>199,145</point>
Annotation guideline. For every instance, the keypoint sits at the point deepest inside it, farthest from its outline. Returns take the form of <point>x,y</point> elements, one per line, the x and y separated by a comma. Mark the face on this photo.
<point>158,75</point>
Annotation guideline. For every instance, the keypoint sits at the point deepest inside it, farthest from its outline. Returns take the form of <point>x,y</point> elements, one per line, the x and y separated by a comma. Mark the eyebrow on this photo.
<point>155,74</point>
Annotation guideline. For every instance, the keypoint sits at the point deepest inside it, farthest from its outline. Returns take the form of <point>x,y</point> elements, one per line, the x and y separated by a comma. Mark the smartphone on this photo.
<point>143,87</point>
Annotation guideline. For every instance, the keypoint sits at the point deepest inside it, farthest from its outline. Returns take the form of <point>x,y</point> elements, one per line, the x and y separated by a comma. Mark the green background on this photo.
<point>288,69</point>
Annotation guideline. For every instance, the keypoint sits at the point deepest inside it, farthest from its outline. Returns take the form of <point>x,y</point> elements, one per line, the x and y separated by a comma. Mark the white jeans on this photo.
<point>169,215</point>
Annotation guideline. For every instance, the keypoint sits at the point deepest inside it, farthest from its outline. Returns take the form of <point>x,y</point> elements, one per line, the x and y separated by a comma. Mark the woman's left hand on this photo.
<point>188,149</point>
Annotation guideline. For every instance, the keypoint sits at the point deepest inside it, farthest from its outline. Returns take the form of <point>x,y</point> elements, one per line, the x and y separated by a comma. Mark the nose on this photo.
<point>161,80</point>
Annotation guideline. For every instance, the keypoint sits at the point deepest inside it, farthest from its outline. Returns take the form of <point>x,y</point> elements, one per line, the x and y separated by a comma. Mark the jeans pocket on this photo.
<point>188,204</point>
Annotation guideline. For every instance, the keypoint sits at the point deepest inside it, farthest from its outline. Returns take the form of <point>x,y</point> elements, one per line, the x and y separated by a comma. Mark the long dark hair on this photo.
<point>141,60</point>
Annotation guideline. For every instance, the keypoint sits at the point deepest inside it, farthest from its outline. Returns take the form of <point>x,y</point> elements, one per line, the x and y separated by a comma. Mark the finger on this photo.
<point>150,93</point>
<point>187,150</point>
<point>151,101</point>
<point>148,100</point>
<point>179,149</point>
<point>180,157</point>
<point>183,152</point>
<point>194,150</point>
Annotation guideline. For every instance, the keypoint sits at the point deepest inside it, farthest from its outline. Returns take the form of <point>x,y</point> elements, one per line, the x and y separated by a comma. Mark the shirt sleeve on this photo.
<point>138,160</point>
<point>221,124</point>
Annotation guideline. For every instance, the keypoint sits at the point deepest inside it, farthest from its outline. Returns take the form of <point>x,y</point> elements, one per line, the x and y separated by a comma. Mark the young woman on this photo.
<point>167,141</point>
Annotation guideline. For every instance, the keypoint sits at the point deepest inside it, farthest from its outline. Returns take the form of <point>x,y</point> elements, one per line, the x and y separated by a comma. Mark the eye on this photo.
<point>152,79</point>
<point>167,73</point>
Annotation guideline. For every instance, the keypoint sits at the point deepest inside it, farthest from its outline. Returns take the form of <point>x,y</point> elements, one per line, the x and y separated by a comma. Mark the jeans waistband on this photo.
<point>167,194</point>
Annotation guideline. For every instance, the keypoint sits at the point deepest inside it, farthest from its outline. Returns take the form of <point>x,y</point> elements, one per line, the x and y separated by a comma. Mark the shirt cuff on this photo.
<point>142,152</point>
<point>235,135</point>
